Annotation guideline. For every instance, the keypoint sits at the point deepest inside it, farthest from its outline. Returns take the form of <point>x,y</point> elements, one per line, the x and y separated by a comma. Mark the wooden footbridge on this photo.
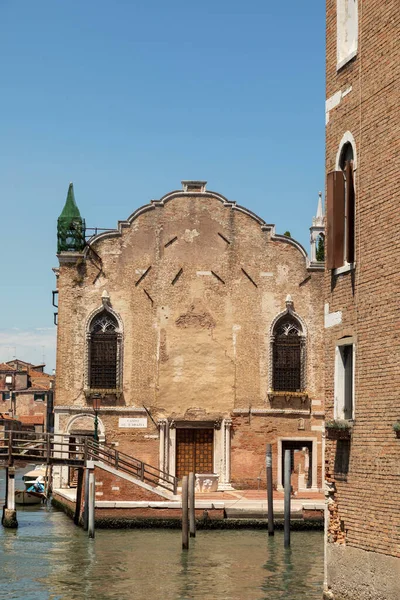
<point>58,449</point>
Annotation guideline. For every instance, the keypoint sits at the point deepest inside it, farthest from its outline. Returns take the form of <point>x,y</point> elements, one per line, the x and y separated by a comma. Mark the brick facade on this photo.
<point>363,100</point>
<point>196,283</point>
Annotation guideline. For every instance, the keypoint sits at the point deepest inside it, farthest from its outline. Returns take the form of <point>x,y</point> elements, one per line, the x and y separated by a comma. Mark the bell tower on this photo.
<point>317,235</point>
<point>70,226</point>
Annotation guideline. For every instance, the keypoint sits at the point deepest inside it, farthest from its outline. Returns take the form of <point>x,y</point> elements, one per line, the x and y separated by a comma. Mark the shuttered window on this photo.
<point>335,211</point>
<point>350,210</point>
<point>340,213</point>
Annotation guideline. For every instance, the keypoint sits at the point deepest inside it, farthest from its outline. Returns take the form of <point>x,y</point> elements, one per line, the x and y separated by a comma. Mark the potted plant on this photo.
<point>339,429</point>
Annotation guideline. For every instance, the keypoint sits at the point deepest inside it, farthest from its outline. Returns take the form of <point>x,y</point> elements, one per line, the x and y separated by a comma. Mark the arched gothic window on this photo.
<point>104,348</point>
<point>288,355</point>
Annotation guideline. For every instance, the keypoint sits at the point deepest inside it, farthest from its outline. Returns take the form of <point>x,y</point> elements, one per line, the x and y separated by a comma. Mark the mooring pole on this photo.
<point>92,499</point>
<point>9,513</point>
<point>192,515</point>
<point>86,501</point>
<point>185,528</point>
<point>78,496</point>
<point>286,527</point>
<point>270,499</point>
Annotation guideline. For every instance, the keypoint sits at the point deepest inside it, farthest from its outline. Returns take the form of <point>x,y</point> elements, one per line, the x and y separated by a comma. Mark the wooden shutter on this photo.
<point>350,212</point>
<point>335,203</point>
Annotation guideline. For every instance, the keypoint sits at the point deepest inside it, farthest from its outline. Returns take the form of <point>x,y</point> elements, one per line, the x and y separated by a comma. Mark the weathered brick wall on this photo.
<point>196,328</point>
<point>112,487</point>
<point>251,433</point>
<point>366,508</point>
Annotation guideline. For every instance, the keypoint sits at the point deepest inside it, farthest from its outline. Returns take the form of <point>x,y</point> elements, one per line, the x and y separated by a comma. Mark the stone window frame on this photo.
<point>289,311</point>
<point>314,465</point>
<point>339,379</point>
<point>346,27</point>
<point>105,307</point>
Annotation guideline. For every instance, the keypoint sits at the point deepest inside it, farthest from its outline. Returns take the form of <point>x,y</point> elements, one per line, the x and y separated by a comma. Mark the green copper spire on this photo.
<point>70,226</point>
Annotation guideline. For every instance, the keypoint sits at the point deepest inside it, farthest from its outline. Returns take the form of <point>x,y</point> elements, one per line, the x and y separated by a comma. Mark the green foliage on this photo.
<point>320,250</point>
<point>396,426</point>
<point>288,234</point>
<point>338,424</point>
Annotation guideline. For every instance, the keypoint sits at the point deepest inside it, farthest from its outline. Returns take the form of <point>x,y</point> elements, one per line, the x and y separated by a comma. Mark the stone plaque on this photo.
<point>132,422</point>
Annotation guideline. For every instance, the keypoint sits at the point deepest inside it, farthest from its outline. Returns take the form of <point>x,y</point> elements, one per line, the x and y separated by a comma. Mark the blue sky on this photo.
<point>126,99</point>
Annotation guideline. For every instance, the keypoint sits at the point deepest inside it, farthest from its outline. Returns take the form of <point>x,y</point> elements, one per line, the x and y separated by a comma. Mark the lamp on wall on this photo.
<point>96,408</point>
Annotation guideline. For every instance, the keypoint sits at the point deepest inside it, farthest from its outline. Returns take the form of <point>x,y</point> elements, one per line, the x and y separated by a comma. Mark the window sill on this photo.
<point>287,395</point>
<point>345,269</point>
<point>346,60</point>
<point>102,392</point>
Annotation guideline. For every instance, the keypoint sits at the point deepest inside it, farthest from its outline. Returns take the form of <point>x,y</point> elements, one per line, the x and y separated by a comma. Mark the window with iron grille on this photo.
<point>287,356</point>
<point>104,352</point>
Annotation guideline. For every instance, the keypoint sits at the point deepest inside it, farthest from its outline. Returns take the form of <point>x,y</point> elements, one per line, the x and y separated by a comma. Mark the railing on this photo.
<point>60,449</point>
<point>130,465</point>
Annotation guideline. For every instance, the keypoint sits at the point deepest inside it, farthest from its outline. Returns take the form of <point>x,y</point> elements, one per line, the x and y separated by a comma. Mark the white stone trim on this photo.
<point>138,482</point>
<point>103,409</point>
<point>331,319</point>
<point>271,411</point>
<point>314,472</point>
<point>347,138</point>
<point>347,59</point>
<point>72,419</point>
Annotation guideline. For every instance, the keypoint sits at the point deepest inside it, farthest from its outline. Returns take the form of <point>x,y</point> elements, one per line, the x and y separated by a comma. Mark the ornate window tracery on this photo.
<point>288,353</point>
<point>104,341</point>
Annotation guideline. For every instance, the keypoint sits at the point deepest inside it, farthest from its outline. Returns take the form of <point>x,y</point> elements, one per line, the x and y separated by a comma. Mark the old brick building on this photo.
<point>200,330</point>
<point>362,299</point>
<point>26,395</point>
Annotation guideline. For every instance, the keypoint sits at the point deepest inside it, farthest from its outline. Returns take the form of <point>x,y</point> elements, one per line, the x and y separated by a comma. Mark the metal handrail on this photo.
<point>55,448</point>
<point>131,465</point>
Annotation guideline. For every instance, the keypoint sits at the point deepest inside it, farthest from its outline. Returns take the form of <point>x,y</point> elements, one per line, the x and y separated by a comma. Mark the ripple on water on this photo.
<point>48,558</point>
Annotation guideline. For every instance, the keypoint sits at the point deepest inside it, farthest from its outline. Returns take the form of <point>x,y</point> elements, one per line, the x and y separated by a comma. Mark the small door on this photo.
<point>194,451</point>
<point>301,459</point>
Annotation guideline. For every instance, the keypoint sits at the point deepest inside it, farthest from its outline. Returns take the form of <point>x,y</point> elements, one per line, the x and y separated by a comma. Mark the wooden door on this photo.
<point>194,451</point>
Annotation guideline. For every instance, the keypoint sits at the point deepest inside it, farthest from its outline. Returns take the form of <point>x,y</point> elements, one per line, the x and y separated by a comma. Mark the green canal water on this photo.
<point>47,557</point>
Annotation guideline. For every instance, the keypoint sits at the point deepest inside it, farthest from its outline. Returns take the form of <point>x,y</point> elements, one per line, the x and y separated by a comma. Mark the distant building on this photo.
<point>26,394</point>
<point>362,330</point>
<point>200,330</point>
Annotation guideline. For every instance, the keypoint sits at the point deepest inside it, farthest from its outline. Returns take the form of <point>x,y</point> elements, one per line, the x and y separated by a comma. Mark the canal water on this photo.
<point>48,558</point>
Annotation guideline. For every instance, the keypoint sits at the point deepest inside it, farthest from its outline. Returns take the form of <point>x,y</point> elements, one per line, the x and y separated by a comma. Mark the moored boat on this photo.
<point>34,482</point>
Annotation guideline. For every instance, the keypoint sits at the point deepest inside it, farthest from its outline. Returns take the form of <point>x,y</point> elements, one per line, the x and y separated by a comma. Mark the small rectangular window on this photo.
<point>342,459</point>
<point>344,382</point>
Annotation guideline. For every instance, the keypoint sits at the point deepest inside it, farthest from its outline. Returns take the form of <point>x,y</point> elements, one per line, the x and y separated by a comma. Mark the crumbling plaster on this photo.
<point>201,340</point>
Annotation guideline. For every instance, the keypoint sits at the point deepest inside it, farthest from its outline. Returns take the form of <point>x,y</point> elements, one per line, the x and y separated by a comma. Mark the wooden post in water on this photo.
<point>192,502</point>
<point>86,501</point>
<point>78,496</point>
<point>9,518</point>
<point>9,513</point>
<point>270,499</point>
<point>185,528</point>
<point>287,483</point>
<point>92,500</point>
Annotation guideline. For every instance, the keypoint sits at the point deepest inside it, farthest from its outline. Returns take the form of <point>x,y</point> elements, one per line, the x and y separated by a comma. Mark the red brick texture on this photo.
<point>366,508</point>
<point>123,489</point>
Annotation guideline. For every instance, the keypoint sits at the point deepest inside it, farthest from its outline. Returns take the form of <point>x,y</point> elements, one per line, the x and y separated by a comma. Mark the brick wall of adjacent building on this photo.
<point>365,508</point>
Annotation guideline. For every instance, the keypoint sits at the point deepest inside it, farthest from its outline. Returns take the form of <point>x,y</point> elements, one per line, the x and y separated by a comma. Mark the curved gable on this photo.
<point>229,204</point>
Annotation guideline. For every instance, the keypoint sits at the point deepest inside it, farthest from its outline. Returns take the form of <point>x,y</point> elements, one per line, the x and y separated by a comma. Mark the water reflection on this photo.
<point>49,558</point>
